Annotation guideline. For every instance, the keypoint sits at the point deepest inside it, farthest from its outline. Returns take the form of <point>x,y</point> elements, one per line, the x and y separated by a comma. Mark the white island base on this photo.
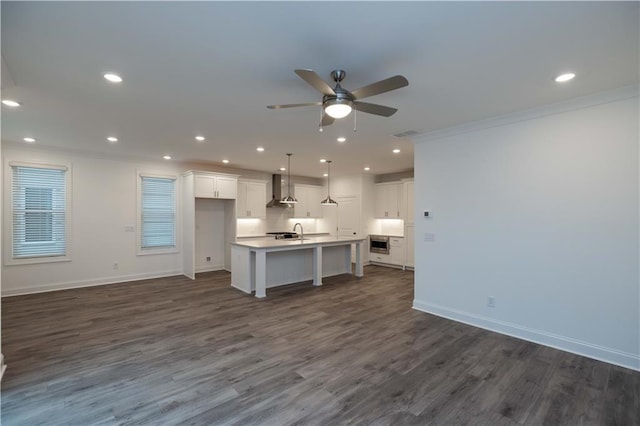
<point>260,264</point>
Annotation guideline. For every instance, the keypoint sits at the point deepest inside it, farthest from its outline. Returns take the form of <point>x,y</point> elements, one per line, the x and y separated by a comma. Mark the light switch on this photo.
<point>128,229</point>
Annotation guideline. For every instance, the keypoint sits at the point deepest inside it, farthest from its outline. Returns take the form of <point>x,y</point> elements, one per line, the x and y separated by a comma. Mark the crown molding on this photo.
<point>599,98</point>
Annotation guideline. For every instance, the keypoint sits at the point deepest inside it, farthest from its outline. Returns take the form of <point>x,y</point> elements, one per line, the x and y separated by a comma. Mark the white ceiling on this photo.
<point>211,68</point>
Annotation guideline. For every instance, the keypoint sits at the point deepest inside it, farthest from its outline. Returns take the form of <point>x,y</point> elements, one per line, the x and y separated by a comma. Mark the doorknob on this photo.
<point>354,233</point>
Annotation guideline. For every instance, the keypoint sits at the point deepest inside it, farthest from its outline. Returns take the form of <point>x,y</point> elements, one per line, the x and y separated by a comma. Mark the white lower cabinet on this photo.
<point>377,257</point>
<point>396,253</point>
<point>396,250</point>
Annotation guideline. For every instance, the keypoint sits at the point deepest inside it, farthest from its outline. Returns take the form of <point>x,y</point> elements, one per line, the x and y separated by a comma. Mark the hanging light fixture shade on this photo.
<point>289,199</point>
<point>328,201</point>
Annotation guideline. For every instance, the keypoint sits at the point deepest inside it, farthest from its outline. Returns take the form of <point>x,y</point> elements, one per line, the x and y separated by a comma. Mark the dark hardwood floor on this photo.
<point>176,351</point>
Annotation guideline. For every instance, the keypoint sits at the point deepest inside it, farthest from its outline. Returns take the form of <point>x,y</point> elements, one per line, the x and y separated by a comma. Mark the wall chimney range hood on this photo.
<point>276,191</point>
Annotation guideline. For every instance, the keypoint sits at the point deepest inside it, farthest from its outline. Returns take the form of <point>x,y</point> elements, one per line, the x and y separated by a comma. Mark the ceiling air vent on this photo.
<point>406,134</point>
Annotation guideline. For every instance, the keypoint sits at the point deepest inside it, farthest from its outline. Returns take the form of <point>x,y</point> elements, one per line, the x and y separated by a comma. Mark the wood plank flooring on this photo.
<point>175,351</point>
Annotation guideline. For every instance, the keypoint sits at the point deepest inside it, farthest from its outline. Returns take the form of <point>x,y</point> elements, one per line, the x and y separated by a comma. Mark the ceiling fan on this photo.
<point>338,102</point>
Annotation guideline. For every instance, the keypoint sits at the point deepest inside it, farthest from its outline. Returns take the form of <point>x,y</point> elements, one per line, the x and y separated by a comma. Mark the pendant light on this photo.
<point>328,201</point>
<point>289,199</point>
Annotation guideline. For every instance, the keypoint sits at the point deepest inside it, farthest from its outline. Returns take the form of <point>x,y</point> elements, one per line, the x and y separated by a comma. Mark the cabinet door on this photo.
<point>242,209</point>
<point>226,187</point>
<point>204,186</point>
<point>308,204</point>
<point>256,204</point>
<point>314,196</point>
<point>396,250</point>
<point>387,196</point>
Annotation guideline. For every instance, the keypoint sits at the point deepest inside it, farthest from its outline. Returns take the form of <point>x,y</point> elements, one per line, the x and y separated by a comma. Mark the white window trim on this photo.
<point>8,213</point>
<point>150,252</point>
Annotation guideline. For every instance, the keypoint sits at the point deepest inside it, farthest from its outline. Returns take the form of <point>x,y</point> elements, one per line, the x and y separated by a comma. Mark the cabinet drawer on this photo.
<point>376,257</point>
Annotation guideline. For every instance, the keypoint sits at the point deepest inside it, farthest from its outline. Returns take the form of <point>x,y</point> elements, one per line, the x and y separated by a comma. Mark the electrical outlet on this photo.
<point>208,258</point>
<point>491,302</point>
<point>429,237</point>
<point>115,265</point>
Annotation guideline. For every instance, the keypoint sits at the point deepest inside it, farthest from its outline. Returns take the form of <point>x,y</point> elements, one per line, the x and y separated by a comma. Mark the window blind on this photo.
<point>158,212</point>
<point>39,212</point>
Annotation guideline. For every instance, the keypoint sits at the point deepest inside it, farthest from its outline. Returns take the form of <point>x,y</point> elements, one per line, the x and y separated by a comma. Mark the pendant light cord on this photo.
<point>289,175</point>
<point>328,178</point>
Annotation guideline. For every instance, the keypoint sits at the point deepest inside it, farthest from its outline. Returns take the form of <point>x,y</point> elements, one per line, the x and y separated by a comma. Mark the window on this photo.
<point>158,212</point>
<point>38,211</point>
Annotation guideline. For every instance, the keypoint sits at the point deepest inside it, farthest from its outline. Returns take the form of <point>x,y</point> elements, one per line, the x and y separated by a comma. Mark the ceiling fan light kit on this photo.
<point>338,108</point>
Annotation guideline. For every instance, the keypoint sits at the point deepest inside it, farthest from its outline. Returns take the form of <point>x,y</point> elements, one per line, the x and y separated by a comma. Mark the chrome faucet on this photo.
<point>301,230</point>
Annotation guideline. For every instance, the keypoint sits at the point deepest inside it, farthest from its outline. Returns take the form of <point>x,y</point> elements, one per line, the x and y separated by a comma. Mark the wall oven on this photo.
<point>379,244</point>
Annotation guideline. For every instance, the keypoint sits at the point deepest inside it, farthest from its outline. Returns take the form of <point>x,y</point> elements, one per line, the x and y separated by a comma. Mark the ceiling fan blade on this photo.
<point>327,120</point>
<point>294,105</point>
<point>315,81</point>
<point>391,83</point>
<point>376,109</point>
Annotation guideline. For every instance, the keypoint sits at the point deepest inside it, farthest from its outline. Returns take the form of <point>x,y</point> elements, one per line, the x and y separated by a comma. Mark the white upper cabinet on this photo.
<point>308,204</point>
<point>388,200</point>
<point>251,200</point>
<point>211,185</point>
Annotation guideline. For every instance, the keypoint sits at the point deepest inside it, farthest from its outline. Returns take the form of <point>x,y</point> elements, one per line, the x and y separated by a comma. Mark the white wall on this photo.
<point>103,204</point>
<point>210,230</point>
<point>541,214</point>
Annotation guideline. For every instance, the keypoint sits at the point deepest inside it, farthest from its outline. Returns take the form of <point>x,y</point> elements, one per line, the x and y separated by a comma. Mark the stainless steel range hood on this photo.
<point>276,185</point>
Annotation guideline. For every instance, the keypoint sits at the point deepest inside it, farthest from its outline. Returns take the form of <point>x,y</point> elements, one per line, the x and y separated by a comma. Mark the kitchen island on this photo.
<point>258,264</point>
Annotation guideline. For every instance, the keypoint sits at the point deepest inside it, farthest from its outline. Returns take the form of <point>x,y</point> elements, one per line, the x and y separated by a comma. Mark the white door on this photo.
<point>349,219</point>
<point>348,216</point>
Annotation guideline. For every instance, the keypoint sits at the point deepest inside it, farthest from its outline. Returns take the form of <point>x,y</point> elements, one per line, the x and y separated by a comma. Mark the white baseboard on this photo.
<point>209,268</point>
<point>589,350</point>
<point>241,289</point>
<point>89,283</point>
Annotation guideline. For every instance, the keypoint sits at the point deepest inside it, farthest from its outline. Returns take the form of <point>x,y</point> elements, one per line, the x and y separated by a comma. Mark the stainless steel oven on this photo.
<point>379,244</point>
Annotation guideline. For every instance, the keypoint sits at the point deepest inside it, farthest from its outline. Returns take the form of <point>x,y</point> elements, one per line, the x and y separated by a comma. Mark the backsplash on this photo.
<point>277,220</point>
<point>393,227</point>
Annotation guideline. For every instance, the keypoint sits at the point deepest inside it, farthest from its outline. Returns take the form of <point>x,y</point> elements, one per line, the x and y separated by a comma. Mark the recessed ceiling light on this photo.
<point>114,78</point>
<point>30,140</point>
<point>260,149</point>
<point>341,139</point>
<point>11,103</point>
<point>322,160</point>
<point>199,138</point>
<point>366,169</point>
<point>225,161</point>
<point>167,157</point>
<point>112,139</point>
<point>562,78</point>
<point>282,169</point>
<point>325,174</point>
<point>396,151</point>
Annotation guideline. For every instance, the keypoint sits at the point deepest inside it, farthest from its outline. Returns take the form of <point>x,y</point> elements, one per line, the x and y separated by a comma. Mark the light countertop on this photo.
<point>308,242</point>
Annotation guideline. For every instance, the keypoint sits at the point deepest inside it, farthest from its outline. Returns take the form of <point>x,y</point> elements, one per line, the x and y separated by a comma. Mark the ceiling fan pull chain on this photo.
<point>355,120</point>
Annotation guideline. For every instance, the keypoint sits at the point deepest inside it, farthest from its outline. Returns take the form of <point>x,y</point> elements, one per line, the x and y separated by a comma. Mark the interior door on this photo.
<point>349,219</point>
<point>348,216</point>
